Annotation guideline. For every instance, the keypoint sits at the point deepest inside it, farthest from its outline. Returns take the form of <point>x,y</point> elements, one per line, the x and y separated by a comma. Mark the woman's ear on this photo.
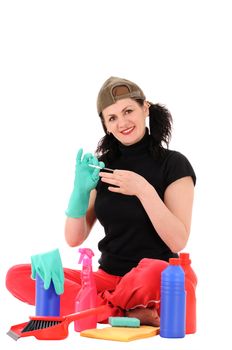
<point>146,108</point>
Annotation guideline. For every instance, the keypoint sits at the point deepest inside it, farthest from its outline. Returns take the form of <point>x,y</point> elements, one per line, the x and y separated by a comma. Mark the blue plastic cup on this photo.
<point>47,302</point>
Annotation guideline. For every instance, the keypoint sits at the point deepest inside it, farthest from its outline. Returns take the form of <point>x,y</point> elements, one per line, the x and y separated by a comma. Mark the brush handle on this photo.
<point>98,167</point>
<point>104,310</point>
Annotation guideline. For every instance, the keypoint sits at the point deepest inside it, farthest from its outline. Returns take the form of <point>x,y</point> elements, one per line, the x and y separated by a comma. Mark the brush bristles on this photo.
<point>39,324</point>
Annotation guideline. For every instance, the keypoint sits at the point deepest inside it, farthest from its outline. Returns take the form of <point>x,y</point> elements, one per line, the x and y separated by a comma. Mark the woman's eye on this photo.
<point>128,111</point>
<point>111,119</point>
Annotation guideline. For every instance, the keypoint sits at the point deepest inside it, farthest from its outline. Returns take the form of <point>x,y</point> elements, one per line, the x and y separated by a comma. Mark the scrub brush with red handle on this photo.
<point>54,328</point>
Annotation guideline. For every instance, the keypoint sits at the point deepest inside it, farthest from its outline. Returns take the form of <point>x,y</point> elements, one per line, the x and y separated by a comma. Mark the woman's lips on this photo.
<point>127,131</point>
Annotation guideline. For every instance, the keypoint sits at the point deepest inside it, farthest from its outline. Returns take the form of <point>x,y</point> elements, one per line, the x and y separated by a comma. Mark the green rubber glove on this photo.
<point>49,268</point>
<point>86,179</point>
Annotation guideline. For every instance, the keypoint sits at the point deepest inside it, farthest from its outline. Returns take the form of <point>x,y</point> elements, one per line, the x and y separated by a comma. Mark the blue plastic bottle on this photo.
<point>173,301</point>
<point>47,302</point>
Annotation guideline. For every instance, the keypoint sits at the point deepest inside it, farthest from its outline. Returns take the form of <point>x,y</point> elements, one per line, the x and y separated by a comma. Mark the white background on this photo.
<point>54,57</point>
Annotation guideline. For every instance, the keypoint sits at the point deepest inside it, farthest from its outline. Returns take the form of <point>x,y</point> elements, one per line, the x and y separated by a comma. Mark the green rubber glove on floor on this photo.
<point>49,268</point>
<point>86,179</point>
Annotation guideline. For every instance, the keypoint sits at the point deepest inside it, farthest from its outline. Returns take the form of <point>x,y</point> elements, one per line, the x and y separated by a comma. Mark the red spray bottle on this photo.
<point>87,296</point>
<point>190,287</point>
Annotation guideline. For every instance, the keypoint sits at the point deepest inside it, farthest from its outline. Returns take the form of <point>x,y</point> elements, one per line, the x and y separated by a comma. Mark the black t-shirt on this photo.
<point>129,233</point>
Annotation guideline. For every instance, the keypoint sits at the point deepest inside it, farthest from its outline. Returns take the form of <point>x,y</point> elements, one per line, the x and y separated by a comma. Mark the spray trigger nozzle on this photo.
<point>86,254</point>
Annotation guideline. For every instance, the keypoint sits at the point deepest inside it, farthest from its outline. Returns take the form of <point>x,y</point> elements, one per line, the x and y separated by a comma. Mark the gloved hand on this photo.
<point>49,268</point>
<point>86,179</point>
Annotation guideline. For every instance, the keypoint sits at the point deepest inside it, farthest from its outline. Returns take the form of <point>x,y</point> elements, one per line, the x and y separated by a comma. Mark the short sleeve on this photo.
<point>176,167</point>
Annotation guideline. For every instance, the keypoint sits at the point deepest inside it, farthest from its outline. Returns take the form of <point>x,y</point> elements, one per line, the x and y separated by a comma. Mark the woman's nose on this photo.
<point>122,121</point>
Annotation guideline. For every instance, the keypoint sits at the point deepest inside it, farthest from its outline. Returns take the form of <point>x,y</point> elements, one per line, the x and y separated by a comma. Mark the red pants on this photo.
<point>138,288</point>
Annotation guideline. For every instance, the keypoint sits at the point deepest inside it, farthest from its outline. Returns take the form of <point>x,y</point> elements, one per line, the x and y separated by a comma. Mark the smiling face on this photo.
<point>125,119</point>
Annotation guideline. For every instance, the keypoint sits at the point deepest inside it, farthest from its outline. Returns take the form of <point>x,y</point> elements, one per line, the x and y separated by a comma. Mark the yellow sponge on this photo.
<point>121,333</point>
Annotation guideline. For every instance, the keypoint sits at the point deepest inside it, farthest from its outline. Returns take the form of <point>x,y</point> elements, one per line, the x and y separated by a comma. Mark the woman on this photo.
<point>144,204</point>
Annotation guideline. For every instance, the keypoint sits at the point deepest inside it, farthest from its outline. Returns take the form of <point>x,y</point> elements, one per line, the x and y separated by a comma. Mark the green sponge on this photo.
<point>124,321</point>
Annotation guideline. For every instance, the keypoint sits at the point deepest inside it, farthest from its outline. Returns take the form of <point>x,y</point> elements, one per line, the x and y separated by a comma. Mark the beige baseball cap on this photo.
<point>115,89</point>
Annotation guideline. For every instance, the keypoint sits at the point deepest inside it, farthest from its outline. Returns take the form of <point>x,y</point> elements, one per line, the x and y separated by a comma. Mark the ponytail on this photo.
<point>160,124</point>
<point>107,148</point>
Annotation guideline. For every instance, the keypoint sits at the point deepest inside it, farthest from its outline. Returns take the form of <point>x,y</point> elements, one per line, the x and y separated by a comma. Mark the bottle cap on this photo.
<point>174,261</point>
<point>184,258</point>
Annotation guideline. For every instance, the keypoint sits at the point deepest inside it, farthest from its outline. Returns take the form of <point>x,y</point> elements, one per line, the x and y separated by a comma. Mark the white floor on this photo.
<point>189,342</point>
<point>210,333</point>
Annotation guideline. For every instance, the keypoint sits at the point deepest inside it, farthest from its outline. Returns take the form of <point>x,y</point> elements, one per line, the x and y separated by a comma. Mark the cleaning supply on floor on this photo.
<point>47,301</point>
<point>124,334</point>
<point>124,321</point>
<point>190,287</point>
<point>87,296</point>
<point>48,272</point>
<point>173,301</point>
<point>54,328</point>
